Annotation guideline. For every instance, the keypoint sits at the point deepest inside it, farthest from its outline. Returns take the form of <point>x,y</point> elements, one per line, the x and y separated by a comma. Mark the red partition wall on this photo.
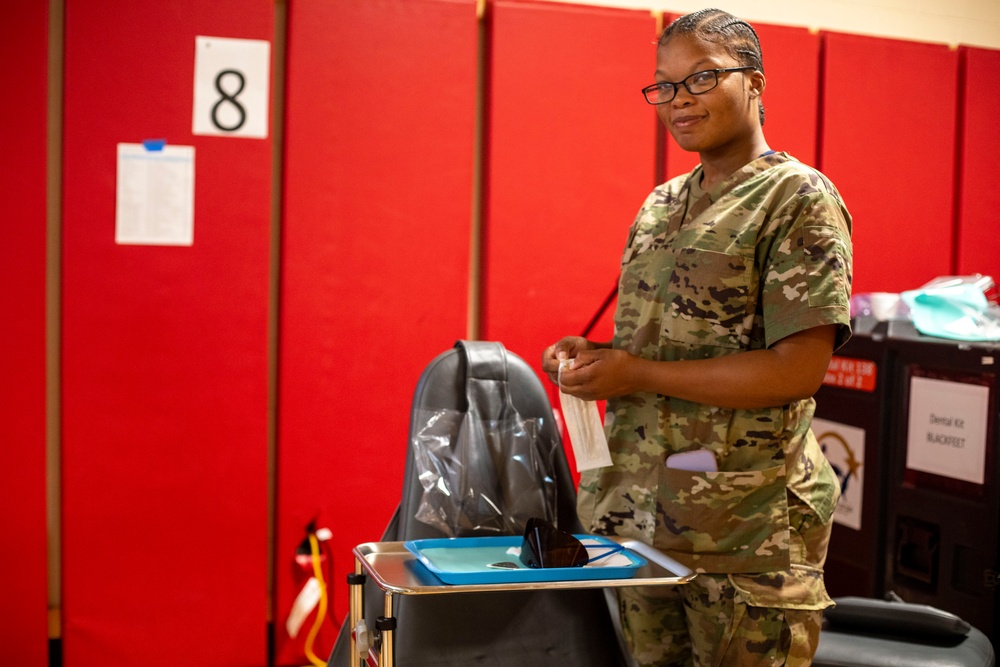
<point>889,146</point>
<point>979,196</point>
<point>377,209</point>
<point>571,159</point>
<point>791,99</point>
<point>164,357</point>
<point>23,40</point>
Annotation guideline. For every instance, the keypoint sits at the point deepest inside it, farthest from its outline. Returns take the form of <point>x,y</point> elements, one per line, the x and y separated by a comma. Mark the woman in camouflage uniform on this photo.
<point>733,296</point>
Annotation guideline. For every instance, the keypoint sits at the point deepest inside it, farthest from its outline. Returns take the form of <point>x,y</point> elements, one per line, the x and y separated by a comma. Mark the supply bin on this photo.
<point>943,507</point>
<point>851,425</point>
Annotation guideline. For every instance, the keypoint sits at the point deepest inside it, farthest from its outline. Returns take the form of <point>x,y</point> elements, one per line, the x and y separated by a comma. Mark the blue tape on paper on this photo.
<point>154,144</point>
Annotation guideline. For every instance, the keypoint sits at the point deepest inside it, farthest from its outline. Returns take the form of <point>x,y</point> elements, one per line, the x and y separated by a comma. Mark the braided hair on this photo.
<point>735,35</point>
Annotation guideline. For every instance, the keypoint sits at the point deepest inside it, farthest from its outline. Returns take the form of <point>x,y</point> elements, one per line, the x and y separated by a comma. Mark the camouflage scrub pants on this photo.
<point>710,622</point>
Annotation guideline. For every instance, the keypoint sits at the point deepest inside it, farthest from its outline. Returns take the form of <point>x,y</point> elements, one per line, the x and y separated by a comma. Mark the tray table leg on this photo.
<point>356,585</point>
<point>387,626</point>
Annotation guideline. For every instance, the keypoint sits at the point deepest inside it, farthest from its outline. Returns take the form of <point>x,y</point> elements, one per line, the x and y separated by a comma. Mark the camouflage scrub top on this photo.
<point>765,254</point>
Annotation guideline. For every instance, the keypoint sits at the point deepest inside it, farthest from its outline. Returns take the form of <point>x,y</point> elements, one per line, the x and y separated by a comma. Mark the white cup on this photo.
<point>885,305</point>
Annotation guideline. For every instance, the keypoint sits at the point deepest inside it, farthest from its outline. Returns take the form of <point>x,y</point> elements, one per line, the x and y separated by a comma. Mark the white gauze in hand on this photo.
<point>586,432</point>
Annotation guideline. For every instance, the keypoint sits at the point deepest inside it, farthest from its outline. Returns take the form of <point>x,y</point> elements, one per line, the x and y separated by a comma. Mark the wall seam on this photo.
<point>958,169</point>
<point>480,171</point>
<point>820,100</point>
<point>53,310</point>
<point>280,52</point>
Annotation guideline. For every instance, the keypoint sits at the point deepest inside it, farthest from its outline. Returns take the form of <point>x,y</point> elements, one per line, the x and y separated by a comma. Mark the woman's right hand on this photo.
<point>566,348</point>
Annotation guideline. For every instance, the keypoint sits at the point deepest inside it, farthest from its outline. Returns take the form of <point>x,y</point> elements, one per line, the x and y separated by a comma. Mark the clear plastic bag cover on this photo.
<point>482,476</point>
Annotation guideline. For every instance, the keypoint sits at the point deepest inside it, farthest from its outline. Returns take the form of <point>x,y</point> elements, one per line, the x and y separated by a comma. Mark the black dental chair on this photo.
<point>504,629</point>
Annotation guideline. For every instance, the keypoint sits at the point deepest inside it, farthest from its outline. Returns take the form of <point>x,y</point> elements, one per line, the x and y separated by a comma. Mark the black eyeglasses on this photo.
<point>696,84</point>
<point>544,545</point>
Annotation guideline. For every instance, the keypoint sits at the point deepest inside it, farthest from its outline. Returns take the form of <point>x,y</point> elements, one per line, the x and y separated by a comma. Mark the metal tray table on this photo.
<point>396,571</point>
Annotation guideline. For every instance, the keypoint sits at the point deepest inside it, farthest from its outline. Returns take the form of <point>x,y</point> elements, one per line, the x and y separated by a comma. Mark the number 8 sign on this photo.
<point>231,86</point>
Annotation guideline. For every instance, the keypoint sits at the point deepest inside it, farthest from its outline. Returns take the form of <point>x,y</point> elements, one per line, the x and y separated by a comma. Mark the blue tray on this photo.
<point>467,560</point>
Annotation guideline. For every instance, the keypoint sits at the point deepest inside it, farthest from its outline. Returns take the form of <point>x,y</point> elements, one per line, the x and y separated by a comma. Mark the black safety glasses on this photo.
<point>544,545</point>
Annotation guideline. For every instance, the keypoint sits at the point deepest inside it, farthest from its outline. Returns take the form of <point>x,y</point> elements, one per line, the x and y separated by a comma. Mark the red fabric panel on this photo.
<point>23,40</point>
<point>791,99</point>
<point>164,357</point>
<point>377,210</point>
<point>979,198</point>
<point>889,146</point>
<point>571,159</point>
